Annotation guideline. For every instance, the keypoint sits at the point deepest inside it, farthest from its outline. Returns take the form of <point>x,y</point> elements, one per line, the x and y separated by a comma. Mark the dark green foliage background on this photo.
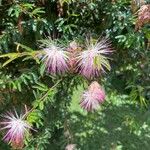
<point>123,120</point>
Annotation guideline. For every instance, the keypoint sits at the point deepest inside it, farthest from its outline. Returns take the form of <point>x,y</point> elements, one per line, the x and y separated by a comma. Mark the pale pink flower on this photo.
<point>143,16</point>
<point>16,128</point>
<point>93,60</point>
<point>73,50</point>
<point>55,58</point>
<point>93,97</point>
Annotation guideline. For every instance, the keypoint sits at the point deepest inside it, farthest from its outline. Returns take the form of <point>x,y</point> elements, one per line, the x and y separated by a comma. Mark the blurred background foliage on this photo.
<point>123,120</point>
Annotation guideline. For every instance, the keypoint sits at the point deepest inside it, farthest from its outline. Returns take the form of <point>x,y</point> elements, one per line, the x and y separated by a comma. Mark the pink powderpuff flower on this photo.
<point>93,97</point>
<point>143,16</point>
<point>17,129</point>
<point>55,58</point>
<point>73,50</point>
<point>93,60</point>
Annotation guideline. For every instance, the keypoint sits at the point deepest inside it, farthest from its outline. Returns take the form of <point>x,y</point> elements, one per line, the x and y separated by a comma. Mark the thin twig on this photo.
<point>42,98</point>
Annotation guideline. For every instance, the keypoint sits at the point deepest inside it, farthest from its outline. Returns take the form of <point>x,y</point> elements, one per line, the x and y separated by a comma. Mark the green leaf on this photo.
<point>37,11</point>
<point>42,69</point>
<point>24,47</point>
<point>41,105</point>
<point>8,61</point>
<point>34,116</point>
<point>143,101</point>
<point>40,86</point>
<point>10,55</point>
<point>101,61</point>
<point>18,86</point>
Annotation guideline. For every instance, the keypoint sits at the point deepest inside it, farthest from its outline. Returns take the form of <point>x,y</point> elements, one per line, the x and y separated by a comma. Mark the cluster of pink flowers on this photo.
<point>17,128</point>
<point>90,61</point>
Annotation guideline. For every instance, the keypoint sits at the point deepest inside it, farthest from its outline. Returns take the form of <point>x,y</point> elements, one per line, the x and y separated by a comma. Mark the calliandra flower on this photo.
<point>93,97</point>
<point>16,128</point>
<point>93,61</point>
<point>70,147</point>
<point>73,50</point>
<point>55,58</point>
<point>143,16</point>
